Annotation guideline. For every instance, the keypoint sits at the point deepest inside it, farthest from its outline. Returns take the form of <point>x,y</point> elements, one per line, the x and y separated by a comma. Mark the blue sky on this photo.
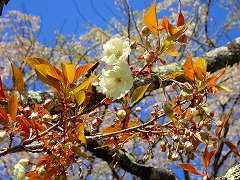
<point>54,13</point>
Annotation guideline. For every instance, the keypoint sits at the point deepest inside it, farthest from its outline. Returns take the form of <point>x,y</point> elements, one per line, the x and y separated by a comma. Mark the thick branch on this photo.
<point>128,163</point>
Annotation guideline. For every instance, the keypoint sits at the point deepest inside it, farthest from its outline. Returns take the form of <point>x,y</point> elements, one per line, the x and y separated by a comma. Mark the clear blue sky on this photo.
<point>54,13</point>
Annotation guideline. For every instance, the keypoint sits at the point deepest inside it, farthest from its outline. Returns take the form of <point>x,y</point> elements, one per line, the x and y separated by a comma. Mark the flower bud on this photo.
<point>188,146</point>
<point>133,45</point>
<point>167,109</point>
<point>24,162</point>
<point>121,114</point>
<point>149,56</point>
<point>3,135</point>
<point>145,31</point>
<point>138,109</point>
<point>174,156</point>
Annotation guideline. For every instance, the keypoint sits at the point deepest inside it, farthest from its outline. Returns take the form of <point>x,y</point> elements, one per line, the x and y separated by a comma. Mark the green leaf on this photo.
<point>138,93</point>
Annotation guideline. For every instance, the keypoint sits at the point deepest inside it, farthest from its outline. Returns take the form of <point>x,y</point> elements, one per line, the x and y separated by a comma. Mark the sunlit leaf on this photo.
<point>33,176</point>
<point>13,105</point>
<point>108,142</point>
<point>222,89</point>
<point>44,67</point>
<point>80,153</point>
<point>51,171</point>
<point>213,152</point>
<point>80,132</point>
<point>190,168</point>
<point>48,80</point>
<point>180,19</point>
<point>214,79</point>
<point>133,123</point>
<point>3,116</point>
<point>17,79</point>
<point>202,64</point>
<point>206,158</point>
<point>112,128</point>
<point>43,160</point>
<point>172,50</point>
<point>85,84</point>
<point>138,93</point>
<point>68,71</point>
<point>188,67</point>
<point>79,97</point>
<point>232,147</point>
<point>112,142</point>
<point>150,18</point>
<point>82,70</point>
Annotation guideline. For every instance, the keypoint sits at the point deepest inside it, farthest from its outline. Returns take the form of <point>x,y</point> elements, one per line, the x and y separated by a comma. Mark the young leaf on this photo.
<point>180,19</point>
<point>138,93</point>
<point>206,158</point>
<point>82,70</point>
<point>219,129</point>
<point>110,129</point>
<point>33,176</point>
<point>80,153</point>
<point>85,84</point>
<point>3,116</point>
<point>2,94</point>
<point>232,147</point>
<point>69,71</point>
<point>150,18</point>
<point>79,97</point>
<point>43,160</point>
<point>80,132</point>
<point>172,50</point>
<point>13,105</point>
<point>188,167</point>
<point>188,67</point>
<point>44,67</point>
<point>17,79</point>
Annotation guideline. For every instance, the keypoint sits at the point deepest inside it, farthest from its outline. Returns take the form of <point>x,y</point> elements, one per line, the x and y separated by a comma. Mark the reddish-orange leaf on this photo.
<point>51,171</point>
<point>33,176</point>
<point>2,94</point>
<point>188,67</point>
<point>108,142</point>
<point>69,71</point>
<point>150,18</point>
<point>213,152</point>
<point>44,67</point>
<point>206,158</point>
<point>232,147</point>
<point>213,79</point>
<point>182,39</point>
<point>17,79</point>
<point>13,105</point>
<point>3,116</point>
<point>82,70</point>
<point>112,128</point>
<point>219,129</point>
<point>180,16</point>
<point>24,124</point>
<point>180,19</point>
<point>43,160</point>
<point>188,167</point>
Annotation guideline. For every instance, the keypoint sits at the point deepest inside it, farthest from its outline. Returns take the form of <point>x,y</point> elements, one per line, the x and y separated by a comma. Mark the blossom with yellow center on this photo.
<point>116,81</point>
<point>116,50</point>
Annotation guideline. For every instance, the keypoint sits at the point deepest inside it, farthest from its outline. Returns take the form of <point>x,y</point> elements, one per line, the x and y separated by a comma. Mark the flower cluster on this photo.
<point>116,79</point>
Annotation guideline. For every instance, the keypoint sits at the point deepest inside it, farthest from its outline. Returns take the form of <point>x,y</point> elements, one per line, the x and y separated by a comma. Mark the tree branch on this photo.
<point>128,163</point>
